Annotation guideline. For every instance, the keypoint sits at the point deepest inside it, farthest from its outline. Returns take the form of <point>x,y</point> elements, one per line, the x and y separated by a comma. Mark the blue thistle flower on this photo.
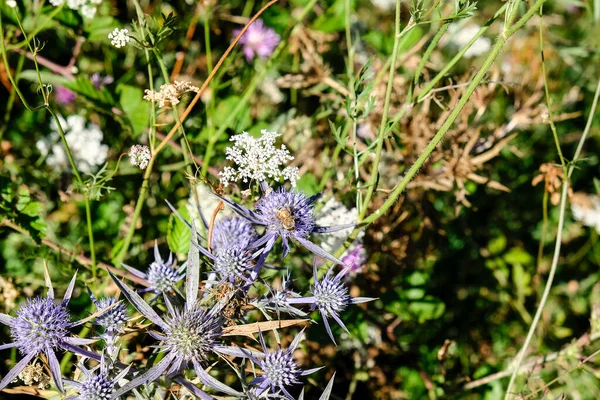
<point>162,276</point>
<point>286,215</point>
<point>42,325</point>
<point>232,231</point>
<point>330,296</point>
<point>279,368</point>
<point>98,384</point>
<point>188,336</point>
<point>231,262</point>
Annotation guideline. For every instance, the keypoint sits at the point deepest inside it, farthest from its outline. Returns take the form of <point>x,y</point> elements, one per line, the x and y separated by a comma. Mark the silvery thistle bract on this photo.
<point>162,276</point>
<point>188,335</point>
<point>279,368</point>
<point>330,296</point>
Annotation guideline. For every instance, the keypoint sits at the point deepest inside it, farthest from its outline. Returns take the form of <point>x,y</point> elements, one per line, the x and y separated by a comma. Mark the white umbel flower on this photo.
<point>11,3</point>
<point>170,93</point>
<point>139,156</point>
<point>87,8</point>
<point>586,209</point>
<point>459,36</point>
<point>85,143</point>
<point>257,159</point>
<point>119,37</point>
<point>332,214</point>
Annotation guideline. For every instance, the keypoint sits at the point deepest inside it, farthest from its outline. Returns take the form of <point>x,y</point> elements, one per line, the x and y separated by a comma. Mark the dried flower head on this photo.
<point>257,159</point>
<point>139,156</point>
<point>259,40</point>
<point>170,93</point>
<point>553,176</point>
<point>34,374</point>
<point>119,37</point>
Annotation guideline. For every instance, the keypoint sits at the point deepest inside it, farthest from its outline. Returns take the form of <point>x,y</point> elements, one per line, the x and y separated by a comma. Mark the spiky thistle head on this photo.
<point>163,275</point>
<point>232,231</point>
<point>280,368</point>
<point>231,262</point>
<point>331,294</point>
<point>114,319</point>
<point>191,335</point>
<point>97,387</point>
<point>40,324</point>
<point>286,213</point>
<point>99,383</point>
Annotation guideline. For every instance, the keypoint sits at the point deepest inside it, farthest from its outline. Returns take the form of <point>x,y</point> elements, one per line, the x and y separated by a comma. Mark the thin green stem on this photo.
<point>425,58</point>
<point>557,245</point>
<point>372,182</point>
<point>414,169</point>
<point>440,75</point>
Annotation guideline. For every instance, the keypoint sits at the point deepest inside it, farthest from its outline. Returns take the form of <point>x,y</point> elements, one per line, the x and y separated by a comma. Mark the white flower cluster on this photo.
<point>87,8</point>
<point>459,36</point>
<point>119,37</point>
<point>84,142</point>
<point>586,209</point>
<point>170,93</point>
<point>139,156</point>
<point>335,213</point>
<point>11,3</point>
<point>258,159</point>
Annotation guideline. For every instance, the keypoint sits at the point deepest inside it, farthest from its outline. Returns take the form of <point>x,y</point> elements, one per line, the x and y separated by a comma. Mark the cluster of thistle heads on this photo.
<point>191,315</point>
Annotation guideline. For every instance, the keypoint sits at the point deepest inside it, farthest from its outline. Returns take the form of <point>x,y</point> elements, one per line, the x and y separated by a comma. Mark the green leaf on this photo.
<point>135,107</point>
<point>427,309</point>
<point>517,255</point>
<point>178,234</point>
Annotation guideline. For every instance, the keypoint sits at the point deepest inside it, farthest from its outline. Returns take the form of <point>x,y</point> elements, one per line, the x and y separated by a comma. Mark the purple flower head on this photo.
<point>100,81</point>
<point>98,384</point>
<point>232,262</point>
<point>259,40</point>
<point>187,335</point>
<point>233,231</point>
<point>112,320</point>
<point>286,215</point>
<point>162,276</point>
<point>330,296</point>
<point>64,96</point>
<point>41,326</point>
<point>355,259</point>
<point>280,369</point>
